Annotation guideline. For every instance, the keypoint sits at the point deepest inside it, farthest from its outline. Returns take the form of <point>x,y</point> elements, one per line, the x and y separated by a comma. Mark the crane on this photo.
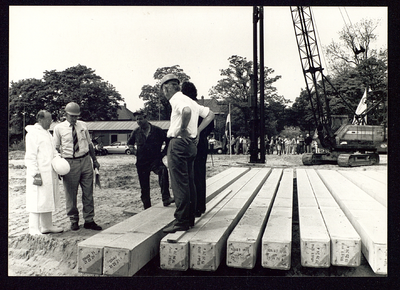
<point>344,144</point>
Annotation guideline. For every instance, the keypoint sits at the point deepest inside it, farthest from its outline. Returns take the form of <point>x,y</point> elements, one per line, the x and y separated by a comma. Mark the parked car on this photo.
<point>117,147</point>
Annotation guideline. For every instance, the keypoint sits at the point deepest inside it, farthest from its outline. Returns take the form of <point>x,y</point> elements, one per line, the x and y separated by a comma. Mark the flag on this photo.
<point>227,124</point>
<point>362,106</point>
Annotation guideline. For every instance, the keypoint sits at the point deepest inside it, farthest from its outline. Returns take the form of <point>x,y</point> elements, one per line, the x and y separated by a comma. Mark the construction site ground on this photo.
<point>56,254</point>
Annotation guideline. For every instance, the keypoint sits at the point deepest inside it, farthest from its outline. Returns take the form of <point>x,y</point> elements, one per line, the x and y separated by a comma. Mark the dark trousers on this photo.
<point>144,170</point>
<point>81,173</point>
<point>200,181</point>
<point>181,155</point>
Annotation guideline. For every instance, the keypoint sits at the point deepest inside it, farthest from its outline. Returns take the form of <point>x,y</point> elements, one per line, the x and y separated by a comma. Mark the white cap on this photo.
<point>60,165</point>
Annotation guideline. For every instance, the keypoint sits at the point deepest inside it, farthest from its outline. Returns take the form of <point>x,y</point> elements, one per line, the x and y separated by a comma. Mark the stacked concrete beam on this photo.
<point>367,216</point>
<point>345,242</point>
<point>126,247</point>
<point>375,188</point>
<point>276,242</point>
<point>208,246</point>
<point>244,242</point>
<point>314,237</point>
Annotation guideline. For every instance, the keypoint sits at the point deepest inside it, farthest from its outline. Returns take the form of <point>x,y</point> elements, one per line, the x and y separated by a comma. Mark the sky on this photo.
<point>125,45</point>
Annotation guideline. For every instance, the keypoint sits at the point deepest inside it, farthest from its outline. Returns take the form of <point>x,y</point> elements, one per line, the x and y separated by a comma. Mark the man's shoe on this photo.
<point>175,228</point>
<point>169,201</point>
<point>74,226</point>
<point>92,226</point>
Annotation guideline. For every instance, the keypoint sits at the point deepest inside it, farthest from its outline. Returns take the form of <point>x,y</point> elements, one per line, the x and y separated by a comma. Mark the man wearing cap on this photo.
<point>42,188</point>
<point>149,140</point>
<point>184,134</point>
<point>73,141</point>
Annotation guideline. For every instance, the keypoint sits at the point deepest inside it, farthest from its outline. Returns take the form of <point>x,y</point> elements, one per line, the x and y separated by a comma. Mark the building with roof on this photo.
<point>107,132</point>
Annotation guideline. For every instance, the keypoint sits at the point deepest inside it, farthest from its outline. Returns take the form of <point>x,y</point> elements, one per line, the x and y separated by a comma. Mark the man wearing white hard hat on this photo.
<point>72,140</point>
<point>42,184</point>
<point>182,150</point>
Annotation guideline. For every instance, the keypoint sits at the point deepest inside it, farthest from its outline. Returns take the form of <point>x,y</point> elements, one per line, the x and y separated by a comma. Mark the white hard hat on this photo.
<point>60,165</point>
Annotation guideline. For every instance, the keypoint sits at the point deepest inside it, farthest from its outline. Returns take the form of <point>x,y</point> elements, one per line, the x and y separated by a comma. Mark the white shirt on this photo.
<point>63,138</point>
<point>178,102</point>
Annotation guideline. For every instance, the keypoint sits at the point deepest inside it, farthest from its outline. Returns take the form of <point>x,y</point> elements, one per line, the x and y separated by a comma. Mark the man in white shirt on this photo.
<point>72,140</point>
<point>182,150</point>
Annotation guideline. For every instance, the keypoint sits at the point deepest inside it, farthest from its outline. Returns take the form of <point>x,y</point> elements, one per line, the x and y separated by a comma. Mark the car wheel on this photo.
<point>105,152</point>
<point>219,151</point>
<point>128,152</point>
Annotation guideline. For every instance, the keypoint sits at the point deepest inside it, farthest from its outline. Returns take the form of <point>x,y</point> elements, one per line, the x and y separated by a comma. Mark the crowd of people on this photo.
<point>276,145</point>
<point>286,145</point>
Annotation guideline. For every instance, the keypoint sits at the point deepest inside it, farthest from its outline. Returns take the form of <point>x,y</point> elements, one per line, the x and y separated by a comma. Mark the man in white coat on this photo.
<point>42,184</point>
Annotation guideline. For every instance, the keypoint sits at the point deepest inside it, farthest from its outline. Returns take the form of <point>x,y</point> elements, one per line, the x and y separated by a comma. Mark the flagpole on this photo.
<point>230,133</point>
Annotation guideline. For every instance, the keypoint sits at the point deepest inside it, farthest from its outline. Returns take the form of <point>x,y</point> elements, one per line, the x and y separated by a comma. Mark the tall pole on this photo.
<point>253,103</point>
<point>262,121</point>
<point>230,133</point>
<point>23,126</point>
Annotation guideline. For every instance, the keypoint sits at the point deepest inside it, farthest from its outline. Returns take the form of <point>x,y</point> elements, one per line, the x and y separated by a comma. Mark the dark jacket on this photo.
<point>149,149</point>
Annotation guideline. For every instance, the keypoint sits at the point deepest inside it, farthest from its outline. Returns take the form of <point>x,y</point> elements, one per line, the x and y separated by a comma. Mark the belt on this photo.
<point>84,155</point>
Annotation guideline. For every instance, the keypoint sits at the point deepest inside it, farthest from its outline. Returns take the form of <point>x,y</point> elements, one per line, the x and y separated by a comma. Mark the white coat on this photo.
<point>39,153</point>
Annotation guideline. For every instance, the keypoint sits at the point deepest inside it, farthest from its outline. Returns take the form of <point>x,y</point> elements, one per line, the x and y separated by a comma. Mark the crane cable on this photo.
<point>319,40</point>
<point>356,51</point>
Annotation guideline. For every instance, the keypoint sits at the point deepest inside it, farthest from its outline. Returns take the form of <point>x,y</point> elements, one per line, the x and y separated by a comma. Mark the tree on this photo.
<point>355,67</point>
<point>98,100</point>
<point>354,46</point>
<point>302,114</point>
<point>235,88</point>
<point>156,105</point>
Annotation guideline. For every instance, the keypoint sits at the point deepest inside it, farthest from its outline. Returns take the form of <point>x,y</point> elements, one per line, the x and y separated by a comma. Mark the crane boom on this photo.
<point>347,145</point>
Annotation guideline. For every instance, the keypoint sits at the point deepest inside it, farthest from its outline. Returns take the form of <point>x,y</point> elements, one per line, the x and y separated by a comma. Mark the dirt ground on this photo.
<point>55,254</point>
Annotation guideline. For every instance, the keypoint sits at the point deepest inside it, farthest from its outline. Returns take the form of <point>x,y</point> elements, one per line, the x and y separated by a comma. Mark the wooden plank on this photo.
<point>208,246</point>
<point>223,182</point>
<point>120,259</point>
<point>345,241</point>
<point>92,248</point>
<point>373,248</point>
<point>244,241</point>
<point>175,253</point>
<point>370,223</point>
<point>174,248</point>
<point>276,242</point>
<point>90,253</point>
<point>314,239</point>
<point>230,172</point>
<point>276,248</point>
<point>374,188</point>
<point>380,176</point>
<point>284,196</point>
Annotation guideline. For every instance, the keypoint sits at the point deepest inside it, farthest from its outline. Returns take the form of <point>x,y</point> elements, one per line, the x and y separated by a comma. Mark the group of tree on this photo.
<point>234,89</point>
<point>98,99</point>
<point>352,71</point>
<point>354,67</point>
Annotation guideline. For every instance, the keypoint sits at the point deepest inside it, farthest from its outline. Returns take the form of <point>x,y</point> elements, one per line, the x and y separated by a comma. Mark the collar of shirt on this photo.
<point>63,138</point>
